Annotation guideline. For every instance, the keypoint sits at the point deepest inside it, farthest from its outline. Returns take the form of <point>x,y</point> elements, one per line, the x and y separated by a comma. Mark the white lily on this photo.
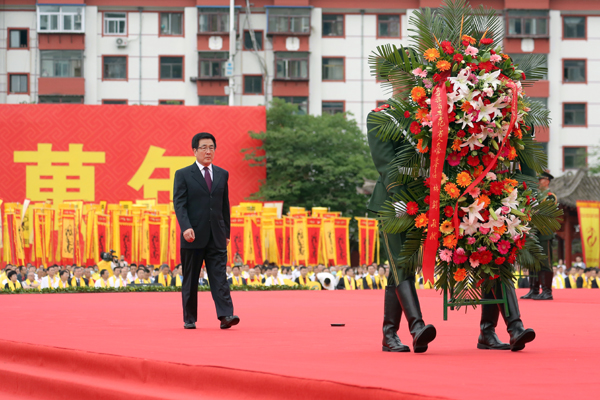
<point>493,223</point>
<point>474,210</point>
<point>454,97</point>
<point>512,224</point>
<point>473,141</point>
<point>511,201</point>
<point>461,81</point>
<point>469,227</point>
<point>488,111</point>
<point>491,79</point>
<point>466,119</point>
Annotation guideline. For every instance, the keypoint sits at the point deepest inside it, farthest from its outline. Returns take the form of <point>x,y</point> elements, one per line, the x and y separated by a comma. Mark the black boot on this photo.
<point>488,340</point>
<point>422,334</point>
<point>519,336</point>
<point>392,312</point>
<point>534,287</point>
<point>546,282</point>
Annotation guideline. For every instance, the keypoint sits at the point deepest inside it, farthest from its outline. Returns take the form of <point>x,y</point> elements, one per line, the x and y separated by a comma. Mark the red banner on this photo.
<point>439,140</point>
<point>288,224</point>
<point>362,241</point>
<point>256,239</point>
<point>372,240</point>
<point>118,153</point>
<point>154,242</point>
<point>102,237</point>
<point>342,242</point>
<point>237,239</point>
<point>125,237</point>
<point>314,240</point>
<point>280,238</point>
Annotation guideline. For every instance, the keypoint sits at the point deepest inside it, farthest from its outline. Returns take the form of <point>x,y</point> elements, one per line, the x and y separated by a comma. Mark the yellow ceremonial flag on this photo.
<point>271,250</point>
<point>319,211</point>
<point>299,239</point>
<point>67,235</point>
<point>297,210</point>
<point>328,241</point>
<point>589,222</point>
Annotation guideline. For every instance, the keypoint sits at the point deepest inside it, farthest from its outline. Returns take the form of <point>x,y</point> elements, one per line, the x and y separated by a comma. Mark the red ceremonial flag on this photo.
<point>371,239</point>
<point>102,234</point>
<point>154,244</point>
<point>256,239</point>
<point>288,224</point>
<point>237,239</point>
<point>279,238</point>
<point>125,236</point>
<point>362,241</point>
<point>342,244</point>
<point>314,240</point>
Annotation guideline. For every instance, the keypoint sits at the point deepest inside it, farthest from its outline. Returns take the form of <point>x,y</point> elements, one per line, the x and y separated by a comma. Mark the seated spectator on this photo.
<point>236,277</point>
<point>178,272</point>
<point>63,281</point>
<point>594,280</point>
<point>122,282</point>
<point>116,275</point>
<point>348,282</point>
<point>87,274</point>
<point>371,281</point>
<point>51,280</point>
<point>11,282</point>
<point>581,277</point>
<point>327,281</point>
<point>31,282</point>
<point>253,279</point>
<point>203,281</point>
<point>164,278</point>
<point>142,279</point>
<point>245,271</point>
<point>132,274</point>
<point>78,279</point>
<point>303,278</point>
<point>382,276</point>
<point>103,281</point>
<point>273,278</point>
<point>228,271</point>
<point>558,282</point>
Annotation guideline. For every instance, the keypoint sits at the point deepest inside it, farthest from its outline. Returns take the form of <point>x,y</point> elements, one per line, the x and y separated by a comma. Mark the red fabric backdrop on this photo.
<point>125,135</point>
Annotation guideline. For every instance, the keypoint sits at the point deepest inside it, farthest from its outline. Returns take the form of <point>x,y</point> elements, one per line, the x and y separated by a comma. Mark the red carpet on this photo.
<point>117,345</point>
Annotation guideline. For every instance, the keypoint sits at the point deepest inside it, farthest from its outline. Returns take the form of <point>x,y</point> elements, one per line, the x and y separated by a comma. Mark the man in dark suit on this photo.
<point>201,200</point>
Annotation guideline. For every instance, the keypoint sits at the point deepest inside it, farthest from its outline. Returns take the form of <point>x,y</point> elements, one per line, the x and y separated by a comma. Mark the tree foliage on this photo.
<point>312,161</point>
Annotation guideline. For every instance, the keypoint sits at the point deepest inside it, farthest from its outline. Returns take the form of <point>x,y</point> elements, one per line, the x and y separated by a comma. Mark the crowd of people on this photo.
<point>364,277</point>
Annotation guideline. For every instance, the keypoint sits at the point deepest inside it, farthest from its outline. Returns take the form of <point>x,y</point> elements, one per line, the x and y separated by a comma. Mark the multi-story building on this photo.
<point>313,53</point>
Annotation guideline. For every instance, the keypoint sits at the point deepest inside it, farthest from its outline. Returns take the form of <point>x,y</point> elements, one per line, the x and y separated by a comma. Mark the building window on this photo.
<point>574,27</point>
<point>115,23</point>
<point>170,102</point>
<point>60,19</point>
<point>517,58</point>
<point>333,69</point>
<point>171,68</point>
<point>574,114</point>
<point>107,102</point>
<point>114,67</point>
<point>253,84</point>
<point>213,100</point>
<point>574,157</point>
<point>574,71</point>
<point>212,64</point>
<point>301,102</point>
<point>527,23</point>
<point>258,37</point>
<point>62,63</point>
<point>19,84</point>
<point>332,107</point>
<point>61,99</point>
<point>171,24</point>
<point>288,20</point>
<point>291,65</point>
<point>333,25</point>
<point>213,20</point>
<point>18,38</point>
<point>388,26</point>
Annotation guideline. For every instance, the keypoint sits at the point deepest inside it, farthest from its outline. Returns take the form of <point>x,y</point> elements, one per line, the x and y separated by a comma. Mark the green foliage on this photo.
<point>533,154</point>
<point>151,288</point>
<point>312,160</point>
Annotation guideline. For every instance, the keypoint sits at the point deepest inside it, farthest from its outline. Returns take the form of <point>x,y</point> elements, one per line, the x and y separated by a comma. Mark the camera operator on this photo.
<point>108,262</point>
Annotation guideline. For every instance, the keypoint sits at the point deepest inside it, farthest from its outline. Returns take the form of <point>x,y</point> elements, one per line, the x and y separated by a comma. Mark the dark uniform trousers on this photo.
<point>215,260</point>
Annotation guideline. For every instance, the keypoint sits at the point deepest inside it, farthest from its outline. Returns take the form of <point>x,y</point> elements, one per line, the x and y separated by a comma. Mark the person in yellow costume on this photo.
<point>106,263</point>
<point>253,279</point>
<point>142,277</point>
<point>236,277</point>
<point>63,281</point>
<point>51,280</point>
<point>371,281</point>
<point>78,279</point>
<point>12,283</point>
<point>347,282</point>
<point>31,282</point>
<point>303,279</point>
<point>164,278</point>
<point>103,281</point>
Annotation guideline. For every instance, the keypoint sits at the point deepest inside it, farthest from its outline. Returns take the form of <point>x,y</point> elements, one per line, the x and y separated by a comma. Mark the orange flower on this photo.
<point>444,178</point>
<point>418,93</point>
<point>484,199</point>
<point>512,182</point>
<point>446,227</point>
<point>466,107</point>
<point>431,54</point>
<point>420,147</point>
<point>518,133</point>
<point>452,190</point>
<point>422,114</point>
<point>460,274</point>
<point>512,153</point>
<point>463,179</point>
<point>500,230</point>
<point>450,241</point>
<point>477,171</point>
<point>443,65</point>
<point>467,38</point>
<point>505,56</point>
<point>421,221</point>
<point>456,144</point>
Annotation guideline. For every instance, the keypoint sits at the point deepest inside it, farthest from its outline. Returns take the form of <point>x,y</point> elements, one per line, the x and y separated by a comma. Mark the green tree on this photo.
<point>312,161</point>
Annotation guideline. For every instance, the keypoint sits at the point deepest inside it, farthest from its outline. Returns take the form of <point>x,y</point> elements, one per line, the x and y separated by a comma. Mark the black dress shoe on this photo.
<point>228,322</point>
<point>189,326</point>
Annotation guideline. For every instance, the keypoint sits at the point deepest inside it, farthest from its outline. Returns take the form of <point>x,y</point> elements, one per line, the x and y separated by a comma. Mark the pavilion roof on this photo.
<point>571,187</point>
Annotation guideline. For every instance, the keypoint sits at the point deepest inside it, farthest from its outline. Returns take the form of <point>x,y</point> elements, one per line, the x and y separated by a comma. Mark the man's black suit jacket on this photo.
<point>206,212</point>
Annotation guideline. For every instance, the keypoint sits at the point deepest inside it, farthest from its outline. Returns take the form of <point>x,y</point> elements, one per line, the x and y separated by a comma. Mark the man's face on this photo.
<point>41,274</point>
<point>543,183</point>
<point>371,270</point>
<point>252,274</point>
<point>64,277</point>
<point>123,273</point>
<point>555,270</point>
<point>141,274</point>
<point>350,273</point>
<point>578,259</point>
<point>78,273</point>
<point>303,272</point>
<point>236,272</point>
<point>381,271</point>
<point>31,276</point>
<point>205,153</point>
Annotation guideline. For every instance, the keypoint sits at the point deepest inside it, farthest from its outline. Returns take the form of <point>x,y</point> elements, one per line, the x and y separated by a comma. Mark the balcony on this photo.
<point>61,41</point>
<point>61,86</point>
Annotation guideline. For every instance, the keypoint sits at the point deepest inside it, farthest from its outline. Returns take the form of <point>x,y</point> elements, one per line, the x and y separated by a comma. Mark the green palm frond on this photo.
<point>539,115</point>
<point>486,21</point>
<point>390,222</point>
<point>532,253</point>
<point>532,67</point>
<point>456,13</point>
<point>546,217</point>
<point>533,154</point>
<point>408,164</point>
<point>426,27</point>
<point>411,256</point>
<point>393,66</point>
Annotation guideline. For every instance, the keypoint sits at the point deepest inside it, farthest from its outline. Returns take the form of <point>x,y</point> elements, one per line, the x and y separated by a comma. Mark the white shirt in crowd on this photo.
<point>558,283</point>
<point>131,277</point>
<point>47,282</point>
<point>100,283</point>
<point>271,281</point>
<point>245,274</point>
<point>295,273</point>
<point>117,282</point>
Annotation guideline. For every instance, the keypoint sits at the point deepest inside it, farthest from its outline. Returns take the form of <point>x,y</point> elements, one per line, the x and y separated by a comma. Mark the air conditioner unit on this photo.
<point>122,42</point>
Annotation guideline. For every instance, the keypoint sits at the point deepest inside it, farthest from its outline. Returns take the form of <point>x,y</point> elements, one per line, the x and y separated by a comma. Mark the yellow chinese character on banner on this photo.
<point>60,175</point>
<point>155,159</point>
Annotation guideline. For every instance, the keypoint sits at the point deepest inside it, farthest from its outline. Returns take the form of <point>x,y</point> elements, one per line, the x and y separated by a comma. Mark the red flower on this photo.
<point>447,47</point>
<point>453,159</point>
<point>426,200</point>
<point>448,211</point>
<point>496,188</point>
<point>459,256</point>
<point>485,214</point>
<point>473,161</point>
<point>520,242</point>
<point>512,258</point>
<point>437,78</point>
<point>486,41</point>
<point>473,66</point>
<point>461,134</point>
<point>464,151</point>
<point>426,182</point>
<point>500,260</point>
<point>465,43</point>
<point>503,246</point>
<point>415,127</point>
<point>461,213</point>
<point>406,114</point>
<point>457,58</point>
<point>525,185</point>
<point>451,116</point>
<point>412,208</point>
<point>485,257</point>
<point>486,65</point>
<point>485,149</point>
<point>523,75</point>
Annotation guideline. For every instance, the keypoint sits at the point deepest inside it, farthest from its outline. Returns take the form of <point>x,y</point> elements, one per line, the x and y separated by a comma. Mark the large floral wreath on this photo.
<point>465,125</point>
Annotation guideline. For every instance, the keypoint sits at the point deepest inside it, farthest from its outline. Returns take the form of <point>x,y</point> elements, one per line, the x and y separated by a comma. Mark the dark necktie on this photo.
<point>207,178</point>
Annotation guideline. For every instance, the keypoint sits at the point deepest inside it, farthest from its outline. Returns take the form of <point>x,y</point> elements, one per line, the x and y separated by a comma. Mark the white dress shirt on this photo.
<point>210,169</point>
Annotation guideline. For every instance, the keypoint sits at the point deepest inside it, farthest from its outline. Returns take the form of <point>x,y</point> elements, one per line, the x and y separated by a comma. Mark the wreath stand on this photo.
<point>450,303</point>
